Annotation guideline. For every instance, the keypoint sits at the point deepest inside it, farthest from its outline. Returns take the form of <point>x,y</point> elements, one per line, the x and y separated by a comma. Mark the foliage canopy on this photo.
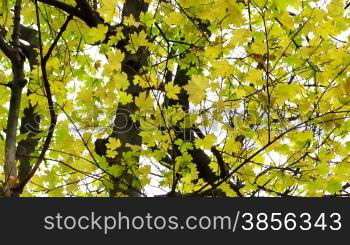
<point>186,97</point>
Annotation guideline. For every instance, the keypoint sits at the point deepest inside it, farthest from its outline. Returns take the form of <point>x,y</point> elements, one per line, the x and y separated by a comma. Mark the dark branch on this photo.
<point>6,49</point>
<point>53,116</point>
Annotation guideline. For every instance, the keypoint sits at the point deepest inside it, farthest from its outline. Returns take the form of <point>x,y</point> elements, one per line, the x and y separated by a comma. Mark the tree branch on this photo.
<point>65,7</point>
<point>6,49</point>
<point>6,84</point>
<point>17,24</point>
<point>347,5</point>
<point>84,12</point>
<point>90,16</point>
<point>198,192</point>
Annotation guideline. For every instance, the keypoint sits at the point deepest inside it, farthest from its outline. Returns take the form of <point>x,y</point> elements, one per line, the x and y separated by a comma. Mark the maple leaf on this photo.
<point>172,90</point>
<point>108,9</point>
<point>196,88</point>
<point>207,142</point>
<point>96,34</point>
<point>144,101</point>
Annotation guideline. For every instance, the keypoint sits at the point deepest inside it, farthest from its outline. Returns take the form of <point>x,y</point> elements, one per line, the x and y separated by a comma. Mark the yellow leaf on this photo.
<point>113,143</point>
<point>137,40</point>
<point>174,18</point>
<point>144,101</point>
<point>254,76</point>
<point>124,98</point>
<point>115,58</point>
<point>196,88</point>
<point>96,34</point>
<point>232,145</point>
<point>283,92</point>
<point>130,21</point>
<point>2,77</point>
<point>121,80</point>
<point>108,9</point>
<point>116,170</point>
<point>346,86</point>
<point>222,68</point>
<point>208,141</point>
<point>172,90</point>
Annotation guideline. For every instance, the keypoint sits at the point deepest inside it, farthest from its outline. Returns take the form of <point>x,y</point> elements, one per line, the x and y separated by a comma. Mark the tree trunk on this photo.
<point>124,128</point>
<point>18,82</point>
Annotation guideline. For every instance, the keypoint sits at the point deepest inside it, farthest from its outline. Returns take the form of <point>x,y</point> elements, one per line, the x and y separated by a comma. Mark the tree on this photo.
<point>194,97</point>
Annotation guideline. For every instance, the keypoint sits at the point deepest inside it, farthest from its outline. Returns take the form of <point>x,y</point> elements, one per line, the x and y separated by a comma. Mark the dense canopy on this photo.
<point>174,98</point>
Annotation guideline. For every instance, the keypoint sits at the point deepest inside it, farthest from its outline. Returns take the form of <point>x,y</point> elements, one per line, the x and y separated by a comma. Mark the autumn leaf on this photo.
<point>196,88</point>
<point>207,142</point>
<point>120,96</point>
<point>172,90</point>
<point>144,101</point>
